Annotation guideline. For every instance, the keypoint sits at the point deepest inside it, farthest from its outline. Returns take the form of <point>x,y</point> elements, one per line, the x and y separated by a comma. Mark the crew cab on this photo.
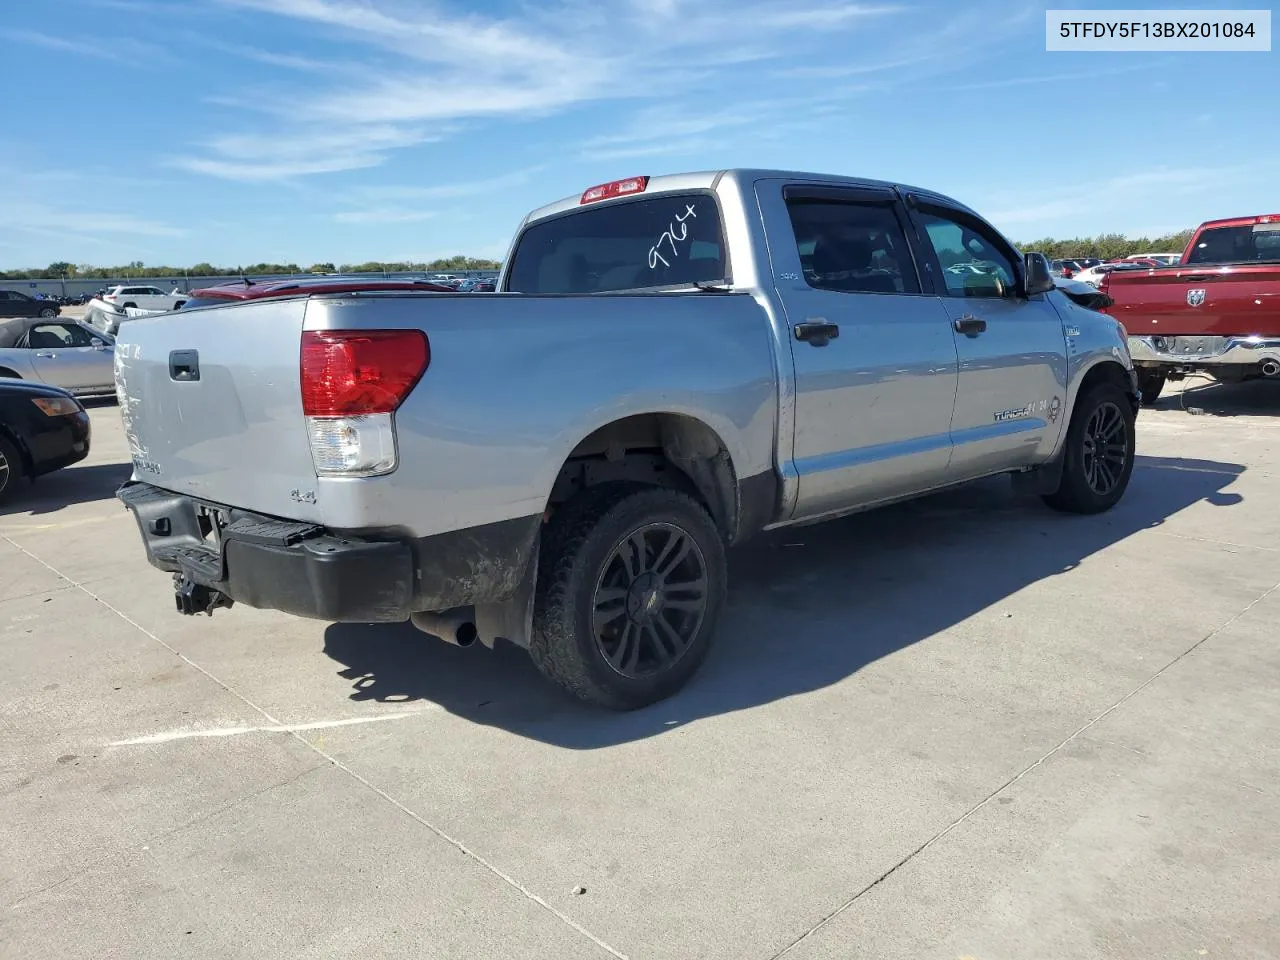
<point>669,366</point>
<point>1216,312</point>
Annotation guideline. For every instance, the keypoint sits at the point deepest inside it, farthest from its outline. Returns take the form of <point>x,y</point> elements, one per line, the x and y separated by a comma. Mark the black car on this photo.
<point>15,304</point>
<point>42,429</point>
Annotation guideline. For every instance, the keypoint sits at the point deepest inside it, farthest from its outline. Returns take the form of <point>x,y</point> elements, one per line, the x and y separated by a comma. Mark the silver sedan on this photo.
<point>63,352</point>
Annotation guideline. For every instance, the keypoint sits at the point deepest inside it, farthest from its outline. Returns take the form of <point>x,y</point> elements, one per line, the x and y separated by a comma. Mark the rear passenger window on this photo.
<point>852,247</point>
<point>667,240</point>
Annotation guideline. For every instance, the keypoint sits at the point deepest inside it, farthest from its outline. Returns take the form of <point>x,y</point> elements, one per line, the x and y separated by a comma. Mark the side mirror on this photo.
<point>1038,279</point>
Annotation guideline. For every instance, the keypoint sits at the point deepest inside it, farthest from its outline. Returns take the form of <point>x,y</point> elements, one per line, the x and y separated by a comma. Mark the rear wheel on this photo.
<point>1150,383</point>
<point>1099,455</point>
<point>48,312</point>
<point>631,583</point>
<point>10,468</point>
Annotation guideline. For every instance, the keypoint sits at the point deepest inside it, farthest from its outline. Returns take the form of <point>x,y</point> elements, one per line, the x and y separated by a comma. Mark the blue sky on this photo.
<point>238,131</point>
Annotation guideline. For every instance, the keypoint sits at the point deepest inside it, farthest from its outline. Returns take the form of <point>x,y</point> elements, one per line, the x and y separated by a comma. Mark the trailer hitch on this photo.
<point>192,598</point>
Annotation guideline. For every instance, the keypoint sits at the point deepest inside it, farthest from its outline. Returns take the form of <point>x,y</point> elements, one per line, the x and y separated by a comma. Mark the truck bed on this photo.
<point>1221,301</point>
<point>513,384</point>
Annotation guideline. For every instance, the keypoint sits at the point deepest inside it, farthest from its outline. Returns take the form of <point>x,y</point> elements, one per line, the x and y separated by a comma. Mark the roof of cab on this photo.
<point>1253,221</point>
<point>710,179</point>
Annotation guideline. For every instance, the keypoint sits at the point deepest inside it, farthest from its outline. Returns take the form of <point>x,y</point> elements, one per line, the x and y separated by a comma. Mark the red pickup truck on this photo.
<point>1217,311</point>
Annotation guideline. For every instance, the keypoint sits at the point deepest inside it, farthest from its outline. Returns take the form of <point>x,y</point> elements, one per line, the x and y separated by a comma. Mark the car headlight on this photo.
<point>57,406</point>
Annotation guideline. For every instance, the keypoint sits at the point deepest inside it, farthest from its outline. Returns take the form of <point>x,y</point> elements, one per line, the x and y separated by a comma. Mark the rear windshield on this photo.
<point>669,240</point>
<point>1260,242</point>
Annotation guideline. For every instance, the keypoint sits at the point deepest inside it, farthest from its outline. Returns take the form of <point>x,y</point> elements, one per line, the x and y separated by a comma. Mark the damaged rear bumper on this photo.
<point>220,554</point>
<point>298,568</point>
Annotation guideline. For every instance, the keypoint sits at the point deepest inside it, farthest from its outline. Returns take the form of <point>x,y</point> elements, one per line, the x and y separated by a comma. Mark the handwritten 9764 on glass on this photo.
<point>1161,31</point>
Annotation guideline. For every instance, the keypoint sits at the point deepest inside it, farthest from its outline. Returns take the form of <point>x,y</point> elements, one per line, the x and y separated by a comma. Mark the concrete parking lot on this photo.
<point>962,728</point>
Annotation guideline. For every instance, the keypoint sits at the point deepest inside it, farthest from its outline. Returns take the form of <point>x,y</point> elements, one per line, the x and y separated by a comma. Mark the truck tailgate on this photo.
<point>1212,301</point>
<point>212,406</point>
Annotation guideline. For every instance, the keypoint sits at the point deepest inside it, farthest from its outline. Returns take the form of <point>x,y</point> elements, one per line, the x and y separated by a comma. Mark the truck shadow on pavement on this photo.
<point>1253,398</point>
<point>808,606</point>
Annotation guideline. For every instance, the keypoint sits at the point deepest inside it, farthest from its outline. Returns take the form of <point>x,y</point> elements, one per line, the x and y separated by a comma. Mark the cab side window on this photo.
<point>973,264</point>
<point>852,247</point>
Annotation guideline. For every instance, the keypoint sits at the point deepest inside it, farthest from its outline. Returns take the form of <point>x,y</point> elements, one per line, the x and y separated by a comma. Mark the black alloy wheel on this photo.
<point>1106,448</point>
<point>650,600</point>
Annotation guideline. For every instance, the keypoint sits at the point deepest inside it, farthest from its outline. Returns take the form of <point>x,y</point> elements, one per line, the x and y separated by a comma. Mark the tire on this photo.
<point>128,305</point>
<point>1150,383</point>
<point>48,313</point>
<point>1082,488</point>
<point>587,553</point>
<point>11,468</point>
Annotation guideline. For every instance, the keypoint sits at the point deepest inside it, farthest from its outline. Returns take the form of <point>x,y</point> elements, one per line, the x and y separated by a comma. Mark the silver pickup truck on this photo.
<point>669,366</point>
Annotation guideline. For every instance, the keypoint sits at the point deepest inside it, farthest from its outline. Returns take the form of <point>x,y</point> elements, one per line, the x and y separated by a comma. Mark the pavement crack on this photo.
<point>274,721</point>
<point>1018,776</point>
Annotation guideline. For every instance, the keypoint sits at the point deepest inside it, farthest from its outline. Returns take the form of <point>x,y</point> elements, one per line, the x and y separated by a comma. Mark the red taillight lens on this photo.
<point>354,372</point>
<point>617,188</point>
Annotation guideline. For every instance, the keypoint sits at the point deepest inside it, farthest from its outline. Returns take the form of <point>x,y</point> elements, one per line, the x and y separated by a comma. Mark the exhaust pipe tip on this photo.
<point>452,626</point>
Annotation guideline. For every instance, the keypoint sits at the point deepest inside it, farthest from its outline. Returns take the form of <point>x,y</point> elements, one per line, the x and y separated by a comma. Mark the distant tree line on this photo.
<point>86,271</point>
<point>1108,246</point>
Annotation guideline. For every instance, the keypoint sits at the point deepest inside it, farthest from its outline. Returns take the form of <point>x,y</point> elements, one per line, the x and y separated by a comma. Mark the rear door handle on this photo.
<point>970,326</point>
<point>817,333</point>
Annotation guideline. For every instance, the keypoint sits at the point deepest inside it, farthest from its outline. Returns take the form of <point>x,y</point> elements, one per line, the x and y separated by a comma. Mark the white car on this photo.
<point>1169,259</point>
<point>145,298</point>
<point>1093,276</point>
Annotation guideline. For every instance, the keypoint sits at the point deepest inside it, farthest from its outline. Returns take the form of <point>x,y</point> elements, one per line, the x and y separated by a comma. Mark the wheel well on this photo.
<point>6,372</point>
<point>661,449</point>
<point>1107,372</point>
<point>20,447</point>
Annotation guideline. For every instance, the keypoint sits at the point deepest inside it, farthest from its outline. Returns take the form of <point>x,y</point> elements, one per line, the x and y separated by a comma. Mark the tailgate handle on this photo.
<point>184,365</point>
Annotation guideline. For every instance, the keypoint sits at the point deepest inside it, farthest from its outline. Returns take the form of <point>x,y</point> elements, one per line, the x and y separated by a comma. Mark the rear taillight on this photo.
<point>352,383</point>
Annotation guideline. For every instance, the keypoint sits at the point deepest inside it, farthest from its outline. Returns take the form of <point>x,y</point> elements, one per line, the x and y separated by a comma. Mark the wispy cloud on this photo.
<point>452,67</point>
<point>120,50</point>
<point>388,193</point>
<point>272,58</point>
<point>384,215</point>
<point>36,218</point>
<point>1060,77</point>
<point>1116,195</point>
<point>269,156</point>
<point>403,203</point>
